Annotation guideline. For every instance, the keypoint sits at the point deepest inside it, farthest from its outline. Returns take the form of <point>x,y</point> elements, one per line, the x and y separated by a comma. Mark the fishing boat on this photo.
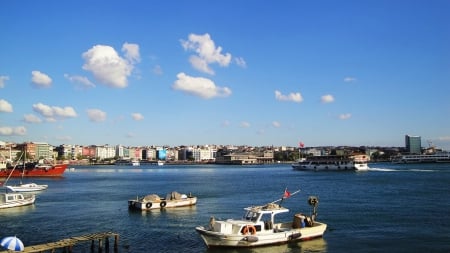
<point>356,162</point>
<point>153,201</point>
<point>258,227</point>
<point>8,200</point>
<point>34,170</point>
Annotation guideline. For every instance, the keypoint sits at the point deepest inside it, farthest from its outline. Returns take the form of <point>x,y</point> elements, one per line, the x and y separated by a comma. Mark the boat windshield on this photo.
<point>251,216</point>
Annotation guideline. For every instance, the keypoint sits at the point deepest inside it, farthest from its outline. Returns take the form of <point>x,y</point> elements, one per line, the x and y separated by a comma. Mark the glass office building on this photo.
<point>413,144</point>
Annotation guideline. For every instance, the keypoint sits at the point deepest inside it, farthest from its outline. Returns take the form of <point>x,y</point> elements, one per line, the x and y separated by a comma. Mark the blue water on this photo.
<point>391,208</point>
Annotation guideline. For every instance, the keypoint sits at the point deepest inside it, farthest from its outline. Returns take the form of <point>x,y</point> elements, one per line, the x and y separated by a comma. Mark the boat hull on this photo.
<point>330,167</point>
<point>150,205</point>
<point>40,171</point>
<point>263,238</point>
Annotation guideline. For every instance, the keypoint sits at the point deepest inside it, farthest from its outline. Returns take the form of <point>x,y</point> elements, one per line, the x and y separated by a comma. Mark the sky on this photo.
<point>259,73</point>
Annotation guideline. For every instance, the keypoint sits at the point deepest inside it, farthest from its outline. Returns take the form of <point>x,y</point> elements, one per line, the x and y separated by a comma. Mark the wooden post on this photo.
<point>116,239</point>
<point>92,246</point>
<point>107,244</point>
<point>100,246</point>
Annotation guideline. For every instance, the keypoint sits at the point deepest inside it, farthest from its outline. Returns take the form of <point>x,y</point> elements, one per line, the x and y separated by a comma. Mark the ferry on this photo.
<point>356,162</point>
<point>440,157</point>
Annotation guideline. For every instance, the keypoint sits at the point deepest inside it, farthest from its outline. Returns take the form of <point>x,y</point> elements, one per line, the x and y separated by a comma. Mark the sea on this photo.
<point>390,208</point>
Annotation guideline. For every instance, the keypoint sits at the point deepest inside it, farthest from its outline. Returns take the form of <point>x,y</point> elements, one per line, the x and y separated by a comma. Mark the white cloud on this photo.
<point>84,81</point>
<point>276,124</point>
<point>137,116</point>
<point>131,52</point>
<point>96,115</point>
<point>5,106</point>
<point>293,97</point>
<point>13,131</point>
<point>240,62</point>
<point>40,80</point>
<point>207,53</point>
<point>327,99</point>
<point>108,67</point>
<point>3,80</point>
<point>349,79</point>
<point>444,138</point>
<point>345,116</point>
<point>31,118</point>
<point>52,113</point>
<point>244,124</point>
<point>200,87</point>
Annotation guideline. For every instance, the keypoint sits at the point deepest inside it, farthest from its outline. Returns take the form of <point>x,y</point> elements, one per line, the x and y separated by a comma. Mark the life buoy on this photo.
<point>163,204</point>
<point>148,205</point>
<point>249,229</point>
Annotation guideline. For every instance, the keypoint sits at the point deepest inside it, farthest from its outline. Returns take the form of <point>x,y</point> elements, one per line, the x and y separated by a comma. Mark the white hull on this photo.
<point>262,238</point>
<point>8,200</point>
<point>153,201</point>
<point>31,187</point>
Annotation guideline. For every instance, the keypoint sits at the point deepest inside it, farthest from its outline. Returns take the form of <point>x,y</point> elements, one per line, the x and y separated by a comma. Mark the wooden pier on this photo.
<point>66,245</point>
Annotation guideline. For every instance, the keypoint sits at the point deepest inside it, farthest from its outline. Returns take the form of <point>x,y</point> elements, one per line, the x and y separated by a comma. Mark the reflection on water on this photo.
<point>17,211</point>
<point>170,212</point>
<point>318,245</point>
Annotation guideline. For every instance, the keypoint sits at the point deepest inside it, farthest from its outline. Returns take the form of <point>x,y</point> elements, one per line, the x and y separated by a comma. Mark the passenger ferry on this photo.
<point>440,157</point>
<point>333,163</point>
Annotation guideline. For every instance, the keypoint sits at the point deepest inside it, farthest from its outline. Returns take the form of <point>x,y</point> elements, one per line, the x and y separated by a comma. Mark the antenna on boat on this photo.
<point>313,201</point>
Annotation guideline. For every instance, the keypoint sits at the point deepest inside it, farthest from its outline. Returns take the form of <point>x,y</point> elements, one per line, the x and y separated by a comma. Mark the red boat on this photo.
<point>38,170</point>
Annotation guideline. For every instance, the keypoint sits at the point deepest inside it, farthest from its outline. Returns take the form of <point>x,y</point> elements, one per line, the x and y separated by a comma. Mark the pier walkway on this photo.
<point>67,244</point>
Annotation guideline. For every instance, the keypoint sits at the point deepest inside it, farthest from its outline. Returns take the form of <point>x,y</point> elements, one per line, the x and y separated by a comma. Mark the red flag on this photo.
<point>301,144</point>
<point>286,194</point>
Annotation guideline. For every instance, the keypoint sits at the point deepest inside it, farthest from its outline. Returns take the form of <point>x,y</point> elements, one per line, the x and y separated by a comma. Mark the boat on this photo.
<point>34,170</point>
<point>258,227</point>
<point>29,187</point>
<point>160,163</point>
<point>153,201</point>
<point>438,157</point>
<point>128,162</point>
<point>333,163</point>
<point>8,200</point>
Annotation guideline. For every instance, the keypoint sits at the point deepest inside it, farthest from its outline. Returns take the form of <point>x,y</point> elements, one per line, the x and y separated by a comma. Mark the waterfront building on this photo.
<point>413,144</point>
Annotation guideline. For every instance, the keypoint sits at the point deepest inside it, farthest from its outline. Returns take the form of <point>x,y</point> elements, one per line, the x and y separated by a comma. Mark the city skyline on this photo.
<point>174,73</point>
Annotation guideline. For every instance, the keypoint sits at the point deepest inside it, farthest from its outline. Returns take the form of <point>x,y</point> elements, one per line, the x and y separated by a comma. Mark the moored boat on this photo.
<point>29,187</point>
<point>333,163</point>
<point>258,227</point>
<point>153,201</point>
<point>8,200</point>
<point>34,170</point>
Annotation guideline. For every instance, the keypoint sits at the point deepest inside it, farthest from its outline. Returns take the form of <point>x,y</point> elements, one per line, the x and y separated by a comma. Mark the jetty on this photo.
<point>66,245</point>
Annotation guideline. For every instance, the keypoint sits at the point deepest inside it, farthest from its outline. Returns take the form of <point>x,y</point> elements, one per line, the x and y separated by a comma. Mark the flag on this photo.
<point>286,194</point>
<point>301,144</point>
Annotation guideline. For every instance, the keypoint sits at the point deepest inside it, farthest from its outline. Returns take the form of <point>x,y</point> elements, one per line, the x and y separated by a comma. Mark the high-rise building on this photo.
<point>413,144</point>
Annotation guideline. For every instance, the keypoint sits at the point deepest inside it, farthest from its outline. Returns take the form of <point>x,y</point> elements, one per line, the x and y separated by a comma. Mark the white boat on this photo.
<point>8,200</point>
<point>30,187</point>
<point>439,157</point>
<point>133,162</point>
<point>153,201</point>
<point>160,163</point>
<point>333,163</point>
<point>258,227</point>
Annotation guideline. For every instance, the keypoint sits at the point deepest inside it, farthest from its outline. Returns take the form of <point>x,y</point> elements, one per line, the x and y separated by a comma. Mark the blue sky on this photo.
<point>225,72</point>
